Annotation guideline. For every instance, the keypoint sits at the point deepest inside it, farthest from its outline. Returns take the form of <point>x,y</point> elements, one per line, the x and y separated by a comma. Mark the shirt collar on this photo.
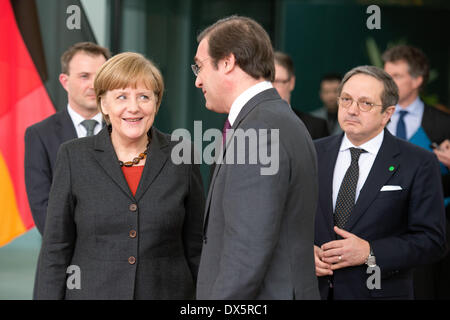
<point>415,108</point>
<point>372,146</point>
<point>244,97</point>
<point>77,118</point>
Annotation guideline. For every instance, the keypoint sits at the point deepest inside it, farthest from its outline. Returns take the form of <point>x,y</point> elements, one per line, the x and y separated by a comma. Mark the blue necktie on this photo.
<point>401,127</point>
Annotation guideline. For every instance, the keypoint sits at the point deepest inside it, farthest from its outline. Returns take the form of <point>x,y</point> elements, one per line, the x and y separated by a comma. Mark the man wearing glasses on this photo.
<point>258,229</point>
<point>380,206</point>
<point>285,83</point>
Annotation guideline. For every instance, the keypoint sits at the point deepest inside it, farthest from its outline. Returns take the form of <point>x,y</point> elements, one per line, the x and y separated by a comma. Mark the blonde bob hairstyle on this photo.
<point>128,70</point>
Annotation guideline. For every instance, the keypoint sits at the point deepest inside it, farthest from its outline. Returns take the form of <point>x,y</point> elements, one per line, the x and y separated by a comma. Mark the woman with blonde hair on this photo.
<point>123,221</point>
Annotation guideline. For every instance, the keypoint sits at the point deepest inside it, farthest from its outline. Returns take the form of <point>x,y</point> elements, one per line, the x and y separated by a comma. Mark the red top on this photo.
<point>133,176</point>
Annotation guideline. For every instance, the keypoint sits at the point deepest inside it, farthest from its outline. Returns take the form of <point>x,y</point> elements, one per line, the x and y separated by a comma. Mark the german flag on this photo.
<point>23,102</point>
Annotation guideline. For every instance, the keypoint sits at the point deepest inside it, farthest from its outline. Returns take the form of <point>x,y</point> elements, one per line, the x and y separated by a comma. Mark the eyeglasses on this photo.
<point>362,104</point>
<point>195,68</point>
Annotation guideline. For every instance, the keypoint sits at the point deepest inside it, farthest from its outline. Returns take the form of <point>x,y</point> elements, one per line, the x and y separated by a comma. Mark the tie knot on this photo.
<point>89,125</point>
<point>403,114</point>
<point>226,126</point>
<point>356,152</point>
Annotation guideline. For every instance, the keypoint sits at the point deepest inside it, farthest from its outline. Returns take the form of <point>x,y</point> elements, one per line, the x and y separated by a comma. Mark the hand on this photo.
<point>443,153</point>
<point>350,251</point>
<point>322,268</point>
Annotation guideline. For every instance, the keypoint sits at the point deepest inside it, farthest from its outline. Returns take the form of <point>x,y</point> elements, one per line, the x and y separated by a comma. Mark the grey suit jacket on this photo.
<point>42,141</point>
<point>91,212</point>
<point>259,229</point>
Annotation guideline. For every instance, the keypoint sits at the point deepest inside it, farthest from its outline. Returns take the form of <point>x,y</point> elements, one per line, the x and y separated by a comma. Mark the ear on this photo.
<point>388,113</point>
<point>292,83</point>
<point>63,79</point>
<point>417,82</point>
<point>229,62</point>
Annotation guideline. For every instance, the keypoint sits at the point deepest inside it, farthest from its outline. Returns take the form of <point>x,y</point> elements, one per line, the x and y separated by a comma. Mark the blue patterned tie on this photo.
<point>401,127</point>
<point>347,192</point>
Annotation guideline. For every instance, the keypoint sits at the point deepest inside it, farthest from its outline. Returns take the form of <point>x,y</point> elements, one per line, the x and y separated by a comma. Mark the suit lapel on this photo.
<point>378,176</point>
<point>269,94</point>
<point>64,128</point>
<point>158,153</point>
<point>107,158</point>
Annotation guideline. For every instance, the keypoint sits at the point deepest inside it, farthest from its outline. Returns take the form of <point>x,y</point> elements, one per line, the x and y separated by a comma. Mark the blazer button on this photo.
<point>131,260</point>
<point>133,207</point>
<point>133,234</point>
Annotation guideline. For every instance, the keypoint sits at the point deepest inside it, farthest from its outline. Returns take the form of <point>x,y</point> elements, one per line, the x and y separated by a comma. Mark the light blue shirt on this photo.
<point>413,119</point>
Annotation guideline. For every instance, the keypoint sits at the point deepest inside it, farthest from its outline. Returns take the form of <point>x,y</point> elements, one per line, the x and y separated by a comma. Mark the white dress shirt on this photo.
<point>365,163</point>
<point>77,119</point>
<point>244,97</point>
<point>413,119</point>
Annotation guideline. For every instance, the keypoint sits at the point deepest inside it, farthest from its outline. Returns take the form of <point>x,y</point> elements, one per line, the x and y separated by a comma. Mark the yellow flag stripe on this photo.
<point>11,225</point>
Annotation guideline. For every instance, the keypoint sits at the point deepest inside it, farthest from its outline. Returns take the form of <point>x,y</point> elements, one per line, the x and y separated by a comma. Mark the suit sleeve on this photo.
<point>60,234</point>
<point>253,213</point>
<point>423,241</point>
<point>38,176</point>
<point>192,228</point>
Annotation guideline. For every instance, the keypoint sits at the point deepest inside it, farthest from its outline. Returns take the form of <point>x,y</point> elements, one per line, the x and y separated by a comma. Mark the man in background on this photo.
<point>79,118</point>
<point>328,95</point>
<point>285,83</point>
<point>424,126</point>
<point>380,198</point>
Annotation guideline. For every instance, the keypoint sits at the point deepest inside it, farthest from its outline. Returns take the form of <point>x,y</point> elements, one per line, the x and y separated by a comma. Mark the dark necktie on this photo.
<point>347,192</point>
<point>226,126</point>
<point>89,125</point>
<point>401,127</point>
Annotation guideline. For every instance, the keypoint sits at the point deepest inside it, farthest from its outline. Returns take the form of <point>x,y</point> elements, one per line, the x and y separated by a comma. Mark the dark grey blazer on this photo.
<point>42,141</point>
<point>92,213</point>
<point>259,229</point>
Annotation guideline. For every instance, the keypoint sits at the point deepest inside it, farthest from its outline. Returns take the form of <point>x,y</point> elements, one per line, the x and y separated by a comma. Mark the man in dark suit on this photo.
<point>285,83</point>
<point>422,125</point>
<point>42,140</point>
<point>380,199</point>
<point>259,219</point>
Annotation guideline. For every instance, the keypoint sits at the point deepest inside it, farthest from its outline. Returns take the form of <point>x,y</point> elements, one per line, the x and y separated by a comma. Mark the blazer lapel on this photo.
<point>158,154</point>
<point>64,128</point>
<point>378,176</point>
<point>107,158</point>
<point>269,94</point>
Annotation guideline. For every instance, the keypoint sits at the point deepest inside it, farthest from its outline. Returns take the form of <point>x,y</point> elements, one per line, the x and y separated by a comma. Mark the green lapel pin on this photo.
<point>391,168</point>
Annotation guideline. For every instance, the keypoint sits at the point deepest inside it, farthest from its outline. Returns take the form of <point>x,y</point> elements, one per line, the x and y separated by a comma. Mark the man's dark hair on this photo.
<point>389,96</point>
<point>86,47</point>
<point>417,61</point>
<point>246,40</point>
<point>286,62</point>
